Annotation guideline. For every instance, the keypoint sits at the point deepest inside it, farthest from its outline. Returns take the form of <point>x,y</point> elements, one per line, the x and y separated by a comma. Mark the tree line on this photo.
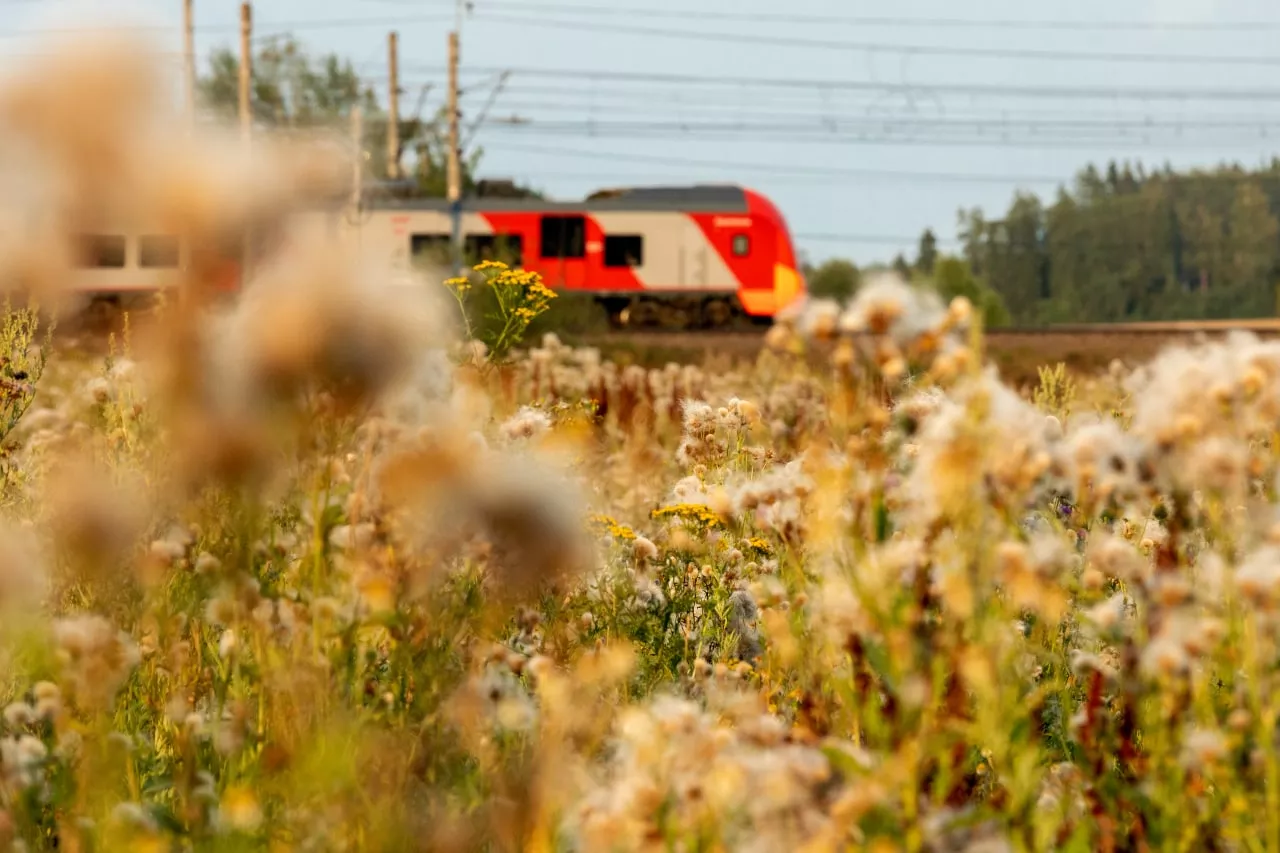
<point>291,89</point>
<point>1129,245</point>
<point>1122,245</point>
<point>949,275</point>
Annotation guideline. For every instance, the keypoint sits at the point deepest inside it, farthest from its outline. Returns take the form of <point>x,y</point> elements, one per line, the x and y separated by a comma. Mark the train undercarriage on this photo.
<point>682,312</point>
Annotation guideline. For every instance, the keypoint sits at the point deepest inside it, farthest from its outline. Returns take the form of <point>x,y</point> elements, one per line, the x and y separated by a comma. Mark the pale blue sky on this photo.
<point>856,193</point>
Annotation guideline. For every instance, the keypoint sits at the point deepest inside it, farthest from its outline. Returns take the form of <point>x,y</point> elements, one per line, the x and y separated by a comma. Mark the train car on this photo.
<point>113,263</point>
<point>675,257</point>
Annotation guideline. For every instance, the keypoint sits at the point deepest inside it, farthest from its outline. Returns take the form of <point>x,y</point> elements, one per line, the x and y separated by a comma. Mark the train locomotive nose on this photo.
<point>788,285</point>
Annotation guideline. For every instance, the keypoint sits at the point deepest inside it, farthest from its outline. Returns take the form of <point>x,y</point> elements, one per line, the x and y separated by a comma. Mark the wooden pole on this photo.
<point>393,108</point>
<point>189,58</point>
<point>357,139</point>
<point>246,119</point>
<point>455,157</point>
<point>246,70</point>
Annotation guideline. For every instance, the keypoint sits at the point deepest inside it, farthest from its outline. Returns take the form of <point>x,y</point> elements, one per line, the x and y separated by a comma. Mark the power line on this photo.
<point>282,26</point>
<point>615,178</point>
<point>981,135</point>
<point>867,239</point>
<point>845,120</point>
<point>873,20</point>
<point>895,127</point>
<point>833,124</point>
<point>907,49</point>
<point>863,129</point>
<point>595,76</point>
<point>775,168</point>
<point>568,99</point>
<point>590,97</point>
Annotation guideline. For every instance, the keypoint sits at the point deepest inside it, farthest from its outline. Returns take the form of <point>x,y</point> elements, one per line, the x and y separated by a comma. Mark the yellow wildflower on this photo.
<point>616,530</point>
<point>699,513</point>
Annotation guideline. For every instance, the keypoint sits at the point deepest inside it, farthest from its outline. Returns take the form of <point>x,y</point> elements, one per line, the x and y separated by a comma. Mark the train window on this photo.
<point>103,251</point>
<point>564,236</point>
<point>623,250</point>
<point>429,248</point>
<point>158,251</point>
<point>741,245</point>
<point>507,248</point>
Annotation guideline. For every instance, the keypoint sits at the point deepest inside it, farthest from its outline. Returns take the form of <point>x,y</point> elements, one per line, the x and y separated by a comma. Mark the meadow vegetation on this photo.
<point>320,570</point>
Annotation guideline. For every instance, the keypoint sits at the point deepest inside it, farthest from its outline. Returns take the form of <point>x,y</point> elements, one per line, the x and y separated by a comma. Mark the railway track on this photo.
<point>1018,350</point>
<point>1181,327</point>
<point>90,329</point>
<point>1173,328</point>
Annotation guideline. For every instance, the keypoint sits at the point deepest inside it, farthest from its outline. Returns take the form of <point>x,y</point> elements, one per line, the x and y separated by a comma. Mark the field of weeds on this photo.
<point>323,569</point>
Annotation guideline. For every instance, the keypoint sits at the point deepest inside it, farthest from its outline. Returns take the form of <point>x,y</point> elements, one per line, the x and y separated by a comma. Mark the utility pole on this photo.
<point>393,107</point>
<point>246,70</point>
<point>246,120</point>
<point>357,168</point>
<point>455,157</point>
<point>189,58</point>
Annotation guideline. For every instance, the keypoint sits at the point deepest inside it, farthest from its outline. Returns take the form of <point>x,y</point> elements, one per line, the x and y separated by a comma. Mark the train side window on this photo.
<point>159,250</point>
<point>507,248</point>
<point>107,251</point>
<point>623,250</point>
<point>564,236</point>
<point>429,247</point>
<point>741,245</point>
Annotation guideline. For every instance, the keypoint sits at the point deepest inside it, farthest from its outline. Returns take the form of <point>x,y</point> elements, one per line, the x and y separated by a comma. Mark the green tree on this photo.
<point>972,231</point>
<point>292,90</point>
<point>289,88</point>
<point>1251,239</point>
<point>927,255</point>
<point>952,277</point>
<point>1013,258</point>
<point>901,267</point>
<point>834,279</point>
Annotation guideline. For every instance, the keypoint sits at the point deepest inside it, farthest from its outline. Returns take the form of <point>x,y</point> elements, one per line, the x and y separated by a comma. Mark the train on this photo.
<point>682,257</point>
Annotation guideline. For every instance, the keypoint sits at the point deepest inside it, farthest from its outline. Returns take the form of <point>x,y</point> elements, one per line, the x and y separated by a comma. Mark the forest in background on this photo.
<point>1128,245</point>
<point>1123,245</point>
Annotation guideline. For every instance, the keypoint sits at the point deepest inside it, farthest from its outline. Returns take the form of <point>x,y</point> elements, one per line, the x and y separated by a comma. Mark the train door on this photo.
<point>695,264</point>
<point>562,250</point>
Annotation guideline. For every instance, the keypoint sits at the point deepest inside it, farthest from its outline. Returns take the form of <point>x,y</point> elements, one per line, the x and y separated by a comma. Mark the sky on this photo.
<point>864,122</point>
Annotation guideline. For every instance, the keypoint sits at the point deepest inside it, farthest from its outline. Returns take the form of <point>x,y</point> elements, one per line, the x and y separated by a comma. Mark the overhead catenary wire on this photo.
<point>786,134</point>
<point>892,21</point>
<point>771,39</point>
<point>597,76</point>
<point>971,51</point>
<point>775,168</point>
<point>589,99</point>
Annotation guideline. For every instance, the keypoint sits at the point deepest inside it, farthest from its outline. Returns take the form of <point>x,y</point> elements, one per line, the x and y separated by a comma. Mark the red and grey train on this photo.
<point>682,257</point>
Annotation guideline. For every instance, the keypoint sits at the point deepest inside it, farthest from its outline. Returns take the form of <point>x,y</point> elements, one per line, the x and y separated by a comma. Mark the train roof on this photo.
<point>704,198</point>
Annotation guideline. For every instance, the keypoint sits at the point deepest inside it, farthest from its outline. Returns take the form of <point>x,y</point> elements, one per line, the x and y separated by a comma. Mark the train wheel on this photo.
<point>641,313</point>
<point>717,313</point>
<point>616,312</point>
<point>678,316</point>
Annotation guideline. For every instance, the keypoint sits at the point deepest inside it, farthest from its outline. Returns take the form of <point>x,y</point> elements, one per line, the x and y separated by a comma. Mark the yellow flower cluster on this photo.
<point>532,295</point>
<point>758,543</point>
<point>614,529</point>
<point>699,513</point>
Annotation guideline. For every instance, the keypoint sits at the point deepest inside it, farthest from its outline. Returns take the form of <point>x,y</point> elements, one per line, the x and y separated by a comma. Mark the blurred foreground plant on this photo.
<point>22,362</point>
